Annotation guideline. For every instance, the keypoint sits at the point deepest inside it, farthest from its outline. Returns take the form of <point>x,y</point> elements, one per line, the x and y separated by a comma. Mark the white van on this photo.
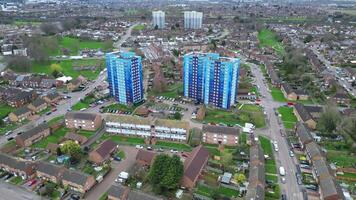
<point>282,171</point>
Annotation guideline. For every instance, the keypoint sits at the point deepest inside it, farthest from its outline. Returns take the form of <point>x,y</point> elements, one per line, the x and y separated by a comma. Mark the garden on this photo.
<point>287,116</point>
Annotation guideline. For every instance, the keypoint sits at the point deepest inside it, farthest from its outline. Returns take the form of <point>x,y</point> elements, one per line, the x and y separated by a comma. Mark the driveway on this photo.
<point>117,167</point>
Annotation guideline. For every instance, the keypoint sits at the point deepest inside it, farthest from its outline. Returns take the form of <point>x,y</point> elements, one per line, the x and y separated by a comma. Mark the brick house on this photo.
<point>33,135</point>
<point>74,84</point>
<point>293,94</point>
<point>193,166</point>
<point>220,135</point>
<point>37,105</point>
<point>25,169</point>
<point>144,157</point>
<point>53,97</point>
<point>85,121</point>
<point>80,139</point>
<point>49,172</point>
<point>77,181</point>
<point>341,98</point>
<point>102,152</point>
<point>20,114</point>
<point>21,99</point>
<point>303,115</point>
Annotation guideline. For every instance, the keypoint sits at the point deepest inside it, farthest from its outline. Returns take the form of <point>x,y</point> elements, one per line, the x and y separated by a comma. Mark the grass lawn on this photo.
<point>268,38</point>
<point>53,138</point>
<point>288,117</point>
<point>121,107</point>
<point>139,27</point>
<point>172,145</point>
<point>7,127</point>
<point>67,67</point>
<point>172,91</point>
<point>277,95</point>
<point>348,175</point>
<point>341,158</point>
<point>55,120</point>
<point>16,180</point>
<point>228,192</point>
<point>87,134</point>
<point>84,103</point>
<point>271,169</point>
<point>213,150</point>
<point>130,140</point>
<point>121,154</point>
<point>248,113</point>
<point>272,178</point>
<point>104,196</point>
<point>76,44</point>
<point>23,22</point>
<point>207,191</point>
<point>5,110</point>
<point>243,138</point>
<point>266,146</point>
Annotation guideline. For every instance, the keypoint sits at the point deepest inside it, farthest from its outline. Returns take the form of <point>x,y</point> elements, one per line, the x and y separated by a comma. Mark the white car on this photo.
<point>139,147</point>
<point>174,151</point>
<point>291,154</point>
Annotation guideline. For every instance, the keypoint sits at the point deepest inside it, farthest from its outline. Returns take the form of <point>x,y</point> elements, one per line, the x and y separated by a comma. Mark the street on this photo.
<point>13,192</point>
<point>290,188</point>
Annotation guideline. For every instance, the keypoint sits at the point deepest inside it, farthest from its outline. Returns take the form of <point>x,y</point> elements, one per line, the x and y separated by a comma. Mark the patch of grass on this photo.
<point>268,38</point>
<point>16,180</point>
<point>233,117</point>
<point>53,138</point>
<point>203,190</point>
<point>172,91</point>
<point>23,22</point>
<point>55,120</point>
<point>104,196</point>
<point>278,95</point>
<point>228,192</point>
<point>139,27</point>
<point>5,110</point>
<point>288,117</point>
<point>121,154</point>
<point>271,169</point>
<point>173,145</point>
<point>348,175</point>
<point>341,158</point>
<point>213,150</point>
<point>130,140</point>
<point>266,146</point>
<point>76,44</point>
<point>87,134</point>
<point>243,138</point>
<point>67,67</point>
<point>272,178</point>
<point>80,105</point>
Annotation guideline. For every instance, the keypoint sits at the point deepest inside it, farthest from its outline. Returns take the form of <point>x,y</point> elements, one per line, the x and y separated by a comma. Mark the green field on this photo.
<point>268,38</point>
<point>53,138</point>
<point>23,22</point>
<point>278,95</point>
<point>67,67</point>
<point>84,103</point>
<point>266,146</point>
<point>87,134</point>
<point>341,158</point>
<point>288,117</point>
<point>76,44</point>
<point>247,113</point>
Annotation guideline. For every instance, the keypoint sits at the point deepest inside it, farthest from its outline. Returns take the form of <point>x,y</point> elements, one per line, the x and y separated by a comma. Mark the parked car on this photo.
<point>149,148</point>
<point>74,197</point>
<point>117,158</point>
<point>311,187</point>
<point>139,147</point>
<point>291,154</point>
<point>174,151</point>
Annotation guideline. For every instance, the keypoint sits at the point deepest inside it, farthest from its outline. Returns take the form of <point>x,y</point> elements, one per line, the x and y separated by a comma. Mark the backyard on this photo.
<point>53,138</point>
<point>288,117</point>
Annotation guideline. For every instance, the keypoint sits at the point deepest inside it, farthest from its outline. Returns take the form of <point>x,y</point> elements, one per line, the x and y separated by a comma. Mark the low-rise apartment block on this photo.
<point>85,121</point>
<point>25,169</point>
<point>33,135</point>
<point>143,127</point>
<point>20,114</point>
<point>220,135</point>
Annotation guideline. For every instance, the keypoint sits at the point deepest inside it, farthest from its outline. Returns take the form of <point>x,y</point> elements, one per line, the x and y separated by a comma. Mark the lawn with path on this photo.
<point>288,117</point>
<point>268,38</point>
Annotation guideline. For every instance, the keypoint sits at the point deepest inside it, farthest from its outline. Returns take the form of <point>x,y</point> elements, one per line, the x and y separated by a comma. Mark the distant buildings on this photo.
<point>193,20</point>
<point>158,19</point>
<point>125,77</point>
<point>211,79</point>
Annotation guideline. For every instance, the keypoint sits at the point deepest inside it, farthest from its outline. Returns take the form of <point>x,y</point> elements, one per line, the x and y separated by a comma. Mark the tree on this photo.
<point>59,152</point>
<point>328,120</point>
<point>19,63</point>
<point>239,178</point>
<point>308,38</point>
<point>177,116</point>
<point>49,28</point>
<point>56,70</point>
<point>73,149</point>
<point>156,27</point>
<point>226,158</point>
<point>175,52</point>
<point>165,173</point>
<point>107,45</point>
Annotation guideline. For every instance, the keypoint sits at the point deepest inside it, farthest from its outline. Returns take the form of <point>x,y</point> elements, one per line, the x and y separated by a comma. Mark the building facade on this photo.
<point>158,19</point>
<point>193,20</point>
<point>142,127</point>
<point>211,79</point>
<point>125,77</point>
<point>85,121</point>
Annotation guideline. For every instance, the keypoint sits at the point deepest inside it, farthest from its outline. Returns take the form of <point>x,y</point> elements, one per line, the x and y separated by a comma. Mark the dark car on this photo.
<point>312,187</point>
<point>284,197</point>
<point>117,158</point>
<point>74,197</point>
<point>10,138</point>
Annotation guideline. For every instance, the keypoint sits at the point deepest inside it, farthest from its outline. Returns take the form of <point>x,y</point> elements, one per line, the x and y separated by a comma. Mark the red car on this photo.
<point>32,182</point>
<point>290,104</point>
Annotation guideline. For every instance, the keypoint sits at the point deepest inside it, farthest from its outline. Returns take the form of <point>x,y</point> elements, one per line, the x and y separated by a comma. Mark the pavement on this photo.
<point>290,188</point>
<point>117,167</point>
<point>13,192</point>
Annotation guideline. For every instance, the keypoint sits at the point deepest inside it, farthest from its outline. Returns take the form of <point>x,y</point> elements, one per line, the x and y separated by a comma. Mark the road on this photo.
<point>118,44</point>
<point>290,188</point>
<point>13,192</point>
<point>117,167</point>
